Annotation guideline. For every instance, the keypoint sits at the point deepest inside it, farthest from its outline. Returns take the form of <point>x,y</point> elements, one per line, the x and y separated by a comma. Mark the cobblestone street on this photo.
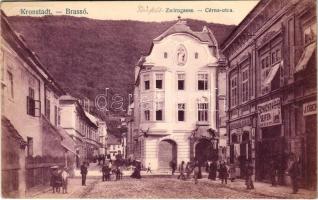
<point>165,187</point>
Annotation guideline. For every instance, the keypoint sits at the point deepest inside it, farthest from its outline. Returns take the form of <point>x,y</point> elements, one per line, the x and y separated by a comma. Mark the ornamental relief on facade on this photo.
<point>181,55</point>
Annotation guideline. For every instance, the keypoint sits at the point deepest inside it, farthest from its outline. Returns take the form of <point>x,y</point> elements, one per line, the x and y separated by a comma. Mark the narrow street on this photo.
<point>164,186</point>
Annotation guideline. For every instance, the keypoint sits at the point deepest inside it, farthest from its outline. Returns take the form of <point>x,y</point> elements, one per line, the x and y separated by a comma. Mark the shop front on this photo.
<point>310,115</point>
<point>241,144</point>
<point>270,154</point>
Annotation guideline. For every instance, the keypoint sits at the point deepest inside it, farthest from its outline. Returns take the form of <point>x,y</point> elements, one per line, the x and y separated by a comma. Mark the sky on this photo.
<point>224,12</point>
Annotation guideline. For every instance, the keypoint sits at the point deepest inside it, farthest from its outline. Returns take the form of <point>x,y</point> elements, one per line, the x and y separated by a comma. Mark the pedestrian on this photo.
<point>200,172</point>
<point>65,176</point>
<point>77,160</point>
<point>99,159</point>
<point>249,174</point>
<point>136,173</point>
<point>54,178</point>
<point>84,173</point>
<point>213,170</point>
<point>196,172</point>
<point>173,166</point>
<point>149,168</point>
<point>188,170</point>
<point>104,170</point>
<point>58,182</point>
<point>110,165</point>
<point>223,173</point>
<point>232,172</point>
<point>293,172</point>
<point>274,173</point>
<point>181,171</point>
<point>103,158</point>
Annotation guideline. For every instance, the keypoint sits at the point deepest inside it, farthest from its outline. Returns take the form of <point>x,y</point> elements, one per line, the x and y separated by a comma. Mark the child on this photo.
<point>149,168</point>
<point>65,176</point>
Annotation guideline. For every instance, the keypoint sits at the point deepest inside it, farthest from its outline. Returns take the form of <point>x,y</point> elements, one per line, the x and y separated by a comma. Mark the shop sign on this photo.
<point>310,108</point>
<point>240,123</point>
<point>269,113</point>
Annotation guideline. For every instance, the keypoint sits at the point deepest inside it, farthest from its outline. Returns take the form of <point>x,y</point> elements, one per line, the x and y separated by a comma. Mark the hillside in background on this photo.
<point>86,56</point>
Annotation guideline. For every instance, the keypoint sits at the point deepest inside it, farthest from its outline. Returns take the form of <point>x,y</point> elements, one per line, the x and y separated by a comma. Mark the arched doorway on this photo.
<point>245,152</point>
<point>204,151</point>
<point>167,152</point>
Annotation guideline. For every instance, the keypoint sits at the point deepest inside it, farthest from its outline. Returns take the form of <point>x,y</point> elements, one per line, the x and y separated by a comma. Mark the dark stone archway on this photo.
<point>204,151</point>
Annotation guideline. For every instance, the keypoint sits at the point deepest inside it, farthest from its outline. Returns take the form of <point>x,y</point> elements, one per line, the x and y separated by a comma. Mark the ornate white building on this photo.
<point>176,99</point>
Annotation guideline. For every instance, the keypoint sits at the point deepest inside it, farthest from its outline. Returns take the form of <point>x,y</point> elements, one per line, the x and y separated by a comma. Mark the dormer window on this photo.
<point>196,55</point>
<point>165,55</point>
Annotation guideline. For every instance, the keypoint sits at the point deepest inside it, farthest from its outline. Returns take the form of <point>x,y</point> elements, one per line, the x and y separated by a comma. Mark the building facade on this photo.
<point>31,141</point>
<point>115,147</point>
<point>103,136</point>
<point>176,99</point>
<point>81,127</point>
<point>271,90</point>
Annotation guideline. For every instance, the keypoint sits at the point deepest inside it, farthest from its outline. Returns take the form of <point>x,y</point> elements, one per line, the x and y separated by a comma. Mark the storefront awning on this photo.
<point>309,50</point>
<point>272,74</point>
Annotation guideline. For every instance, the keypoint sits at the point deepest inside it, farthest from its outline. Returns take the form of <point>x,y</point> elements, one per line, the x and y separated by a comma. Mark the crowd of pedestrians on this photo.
<point>225,172</point>
<point>215,169</point>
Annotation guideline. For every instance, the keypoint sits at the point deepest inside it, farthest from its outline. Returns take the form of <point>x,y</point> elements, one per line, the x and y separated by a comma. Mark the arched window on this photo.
<point>245,136</point>
<point>196,55</point>
<point>234,138</point>
<point>165,55</point>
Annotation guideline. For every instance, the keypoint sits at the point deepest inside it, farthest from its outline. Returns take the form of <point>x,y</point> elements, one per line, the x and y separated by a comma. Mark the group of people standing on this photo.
<point>59,179</point>
<point>108,169</point>
<point>215,169</point>
<point>224,172</point>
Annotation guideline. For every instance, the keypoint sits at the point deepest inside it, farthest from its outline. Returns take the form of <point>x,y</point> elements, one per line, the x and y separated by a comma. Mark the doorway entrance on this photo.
<point>204,151</point>
<point>167,152</point>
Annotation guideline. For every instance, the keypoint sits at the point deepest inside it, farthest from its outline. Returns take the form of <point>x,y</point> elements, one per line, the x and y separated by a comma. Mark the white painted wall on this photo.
<point>176,131</point>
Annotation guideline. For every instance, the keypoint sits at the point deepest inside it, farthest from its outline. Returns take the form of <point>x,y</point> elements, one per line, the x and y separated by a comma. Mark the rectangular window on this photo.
<point>30,146</point>
<point>10,85</point>
<point>159,81</point>
<point>181,81</point>
<point>181,112</point>
<point>159,111</point>
<point>203,112</point>
<point>202,81</point>
<point>47,108</point>
<point>147,82</point>
<point>147,115</point>
<point>265,63</point>
<point>270,78</point>
<point>245,76</point>
<point>234,91</point>
<point>55,116</point>
<point>31,102</point>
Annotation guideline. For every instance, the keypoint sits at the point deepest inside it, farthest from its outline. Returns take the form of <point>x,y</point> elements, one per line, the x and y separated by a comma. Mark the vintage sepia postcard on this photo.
<point>159,99</point>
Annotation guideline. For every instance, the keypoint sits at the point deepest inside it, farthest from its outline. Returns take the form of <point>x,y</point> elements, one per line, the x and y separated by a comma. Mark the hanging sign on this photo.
<point>269,113</point>
<point>310,108</point>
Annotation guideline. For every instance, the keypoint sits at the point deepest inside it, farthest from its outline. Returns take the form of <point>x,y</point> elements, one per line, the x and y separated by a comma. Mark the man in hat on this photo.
<point>84,173</point>
<point>294,172</point>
